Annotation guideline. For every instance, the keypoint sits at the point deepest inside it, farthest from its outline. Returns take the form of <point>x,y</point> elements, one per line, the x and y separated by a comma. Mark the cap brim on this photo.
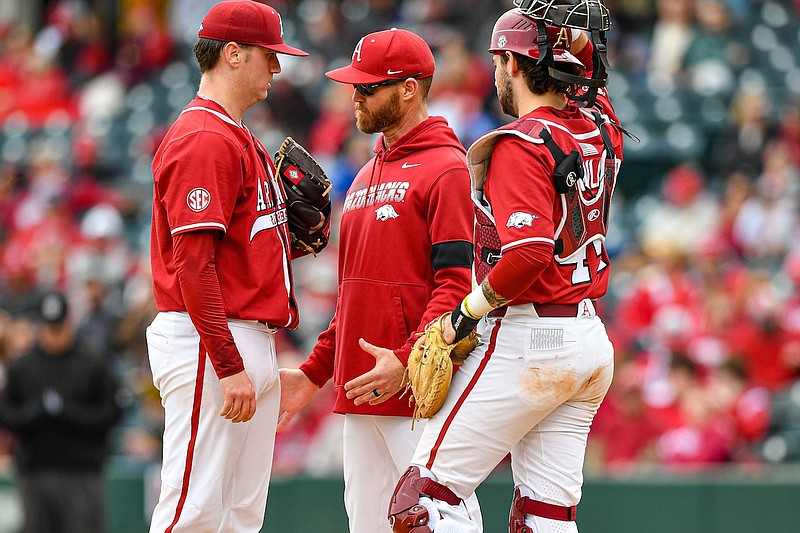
<point>562,56</point>
<point>559,55</point>
<point>285,49</point>
<point>349,74</point>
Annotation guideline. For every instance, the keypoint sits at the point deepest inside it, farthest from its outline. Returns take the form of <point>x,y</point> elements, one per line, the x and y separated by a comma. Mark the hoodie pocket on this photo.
<point>383,314</point>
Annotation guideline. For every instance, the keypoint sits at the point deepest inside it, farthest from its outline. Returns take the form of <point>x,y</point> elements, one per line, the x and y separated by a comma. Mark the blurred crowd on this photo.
<point>704,305</point>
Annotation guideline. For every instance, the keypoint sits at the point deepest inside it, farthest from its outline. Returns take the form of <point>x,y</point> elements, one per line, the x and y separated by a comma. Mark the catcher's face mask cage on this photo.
<point>587,15</point>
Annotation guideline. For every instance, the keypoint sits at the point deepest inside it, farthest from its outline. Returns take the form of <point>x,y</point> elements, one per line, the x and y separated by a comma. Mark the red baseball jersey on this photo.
<point>405,253</point>
<point>211,173</point>
<point>514,169</point>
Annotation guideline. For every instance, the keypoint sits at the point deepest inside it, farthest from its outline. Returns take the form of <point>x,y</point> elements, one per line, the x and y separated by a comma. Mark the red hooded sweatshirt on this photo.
<point>405,253</point>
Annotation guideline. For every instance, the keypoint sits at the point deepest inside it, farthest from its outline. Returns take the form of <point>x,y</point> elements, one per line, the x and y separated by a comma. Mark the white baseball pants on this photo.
<point>214,474</point>
<point>377,450</point>
<point>531,388</point>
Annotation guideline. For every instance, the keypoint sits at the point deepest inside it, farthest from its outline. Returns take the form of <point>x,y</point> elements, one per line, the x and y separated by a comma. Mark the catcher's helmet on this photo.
<point>516,32</point>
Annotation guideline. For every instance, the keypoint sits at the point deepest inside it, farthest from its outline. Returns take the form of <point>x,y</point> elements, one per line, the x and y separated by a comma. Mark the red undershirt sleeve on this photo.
<point>320,363</point>
<point>202,295</point>
<point>519,267</point>
<point>585,57</point>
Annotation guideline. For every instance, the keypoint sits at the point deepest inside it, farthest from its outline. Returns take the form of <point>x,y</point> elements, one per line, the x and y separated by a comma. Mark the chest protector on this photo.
<point>584,205</point>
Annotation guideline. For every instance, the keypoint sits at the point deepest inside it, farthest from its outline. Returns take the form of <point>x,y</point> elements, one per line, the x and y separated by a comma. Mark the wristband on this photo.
<point>476,305</point>
<point>467,311</point>
<point>462,323</point>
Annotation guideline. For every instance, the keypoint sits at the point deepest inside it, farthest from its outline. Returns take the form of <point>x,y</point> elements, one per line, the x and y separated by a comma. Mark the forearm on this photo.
<point>319,366</point>
<point>515,272</point>
<point>579,41</point>
<point>583,49</point>
<point>197,275</point>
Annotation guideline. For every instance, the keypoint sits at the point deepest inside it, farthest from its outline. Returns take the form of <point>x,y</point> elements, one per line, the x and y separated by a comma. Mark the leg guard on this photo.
<point>406,515</point>
<point>516,518</point>
<point>522,505</point>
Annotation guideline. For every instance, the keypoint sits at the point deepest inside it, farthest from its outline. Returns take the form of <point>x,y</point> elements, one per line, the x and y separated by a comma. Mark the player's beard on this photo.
<point>381,118</point>
<point>505,95</point>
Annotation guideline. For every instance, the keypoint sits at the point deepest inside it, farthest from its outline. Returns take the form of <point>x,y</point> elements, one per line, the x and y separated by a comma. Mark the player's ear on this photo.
<point>410,87</point>
<point>512,61</point>
<point>231,53</point>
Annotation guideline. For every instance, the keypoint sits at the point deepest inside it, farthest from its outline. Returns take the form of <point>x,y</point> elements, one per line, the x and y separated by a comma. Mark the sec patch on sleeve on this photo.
<point>198,199</point>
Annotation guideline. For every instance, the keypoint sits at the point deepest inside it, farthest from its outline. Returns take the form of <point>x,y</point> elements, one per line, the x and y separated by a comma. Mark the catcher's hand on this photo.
<point>430,367</point>
<point>308,203</point>
<point>464,347</point>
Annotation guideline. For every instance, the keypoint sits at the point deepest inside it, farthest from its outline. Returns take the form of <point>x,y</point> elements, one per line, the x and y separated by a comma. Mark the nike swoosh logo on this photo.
<point>410,165</point>
<point>391,72</point>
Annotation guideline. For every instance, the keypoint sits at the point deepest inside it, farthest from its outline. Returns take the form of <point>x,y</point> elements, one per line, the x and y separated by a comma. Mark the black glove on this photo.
<point>308,203</point>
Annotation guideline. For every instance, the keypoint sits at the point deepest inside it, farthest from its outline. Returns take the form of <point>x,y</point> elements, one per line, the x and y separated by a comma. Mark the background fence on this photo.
<point>720,502</point>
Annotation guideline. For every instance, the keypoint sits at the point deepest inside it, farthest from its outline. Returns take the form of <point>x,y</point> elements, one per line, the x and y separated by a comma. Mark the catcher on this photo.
<point>542,187</point>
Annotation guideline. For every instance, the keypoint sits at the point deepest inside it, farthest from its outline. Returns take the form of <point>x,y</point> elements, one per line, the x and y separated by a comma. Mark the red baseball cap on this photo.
<point>247,22</point>
<point>387,55</point>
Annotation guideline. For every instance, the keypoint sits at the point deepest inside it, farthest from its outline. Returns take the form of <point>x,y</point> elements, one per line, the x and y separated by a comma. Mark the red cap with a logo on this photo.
<point>247,22</point>
<point>387,55</point>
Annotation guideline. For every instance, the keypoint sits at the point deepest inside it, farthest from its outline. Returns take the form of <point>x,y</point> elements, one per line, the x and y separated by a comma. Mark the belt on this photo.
<point>544,310</point>
<point>272,326</point>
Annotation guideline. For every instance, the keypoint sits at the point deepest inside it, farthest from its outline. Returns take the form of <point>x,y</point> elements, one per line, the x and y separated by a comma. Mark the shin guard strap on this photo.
<point>437,491</point>
<point>546,510</point>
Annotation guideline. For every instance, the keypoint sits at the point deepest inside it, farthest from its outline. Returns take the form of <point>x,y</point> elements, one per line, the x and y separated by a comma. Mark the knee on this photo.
<point>406,514</point>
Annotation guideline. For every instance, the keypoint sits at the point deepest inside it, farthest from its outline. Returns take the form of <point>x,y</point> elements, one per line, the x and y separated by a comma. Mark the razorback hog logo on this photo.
<point>519,219</point>
<point>385,212</point>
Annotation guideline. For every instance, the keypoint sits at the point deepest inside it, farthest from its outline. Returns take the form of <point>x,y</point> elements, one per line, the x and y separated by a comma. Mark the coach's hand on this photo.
<point>240,397</point>
<point>296,391</point>
<point>380,383</point>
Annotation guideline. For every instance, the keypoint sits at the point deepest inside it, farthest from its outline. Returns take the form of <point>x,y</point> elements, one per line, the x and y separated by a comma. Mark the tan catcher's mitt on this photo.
<point>430,367</point>
<point>306,187</point>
